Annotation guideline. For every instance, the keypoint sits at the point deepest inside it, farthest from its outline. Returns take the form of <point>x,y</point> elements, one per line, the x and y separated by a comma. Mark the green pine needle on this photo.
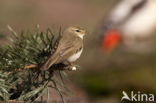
<point>28,48</point>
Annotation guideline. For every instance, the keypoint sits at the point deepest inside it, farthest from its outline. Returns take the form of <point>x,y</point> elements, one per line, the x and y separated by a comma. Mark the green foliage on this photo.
<point>4,86</point>
<point>26,49</point>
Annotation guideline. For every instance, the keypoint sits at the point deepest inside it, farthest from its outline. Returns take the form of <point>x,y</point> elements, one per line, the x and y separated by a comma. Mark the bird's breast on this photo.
<point>75,56</point>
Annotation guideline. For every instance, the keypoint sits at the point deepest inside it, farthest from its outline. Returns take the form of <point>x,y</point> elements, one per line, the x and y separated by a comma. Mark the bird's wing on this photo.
<point>65,50</point>
<point>69,48</point>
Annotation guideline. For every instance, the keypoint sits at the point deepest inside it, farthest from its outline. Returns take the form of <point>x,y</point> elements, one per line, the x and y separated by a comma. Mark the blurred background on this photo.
<point>102,76</point>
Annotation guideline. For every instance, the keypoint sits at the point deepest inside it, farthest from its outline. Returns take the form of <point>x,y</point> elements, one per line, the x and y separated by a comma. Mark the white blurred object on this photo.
<point>123,9</point>
<point>136,20</point>
<point>74,68</point>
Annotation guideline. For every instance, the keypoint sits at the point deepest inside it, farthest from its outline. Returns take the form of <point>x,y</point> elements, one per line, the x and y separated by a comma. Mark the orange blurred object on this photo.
<point>111,40</point>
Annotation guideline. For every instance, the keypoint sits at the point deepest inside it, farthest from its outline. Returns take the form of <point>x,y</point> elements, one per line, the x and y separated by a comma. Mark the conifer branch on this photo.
<point>21,78</point>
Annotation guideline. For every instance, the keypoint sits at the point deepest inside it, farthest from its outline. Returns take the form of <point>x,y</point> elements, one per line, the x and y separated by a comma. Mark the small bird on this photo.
<point>69,48</point>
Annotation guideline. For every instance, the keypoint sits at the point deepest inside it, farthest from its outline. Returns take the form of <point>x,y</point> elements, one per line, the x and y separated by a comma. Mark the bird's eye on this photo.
<point>77,30</point>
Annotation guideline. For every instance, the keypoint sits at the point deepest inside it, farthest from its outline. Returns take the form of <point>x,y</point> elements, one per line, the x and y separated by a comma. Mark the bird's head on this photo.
<point>76,31</point>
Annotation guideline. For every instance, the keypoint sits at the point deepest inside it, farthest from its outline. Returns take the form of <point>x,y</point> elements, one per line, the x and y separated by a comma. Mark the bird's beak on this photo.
<point>111,40</point>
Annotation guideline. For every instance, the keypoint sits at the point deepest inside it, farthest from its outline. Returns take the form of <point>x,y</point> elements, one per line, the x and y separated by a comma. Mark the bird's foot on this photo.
<point>73,67</point>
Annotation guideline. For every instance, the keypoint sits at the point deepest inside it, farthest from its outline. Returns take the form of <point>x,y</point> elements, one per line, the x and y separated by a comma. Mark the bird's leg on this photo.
<point>71,66</point>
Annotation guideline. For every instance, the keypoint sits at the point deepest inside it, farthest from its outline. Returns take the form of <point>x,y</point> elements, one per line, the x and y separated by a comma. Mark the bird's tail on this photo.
<point>52,60</point>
